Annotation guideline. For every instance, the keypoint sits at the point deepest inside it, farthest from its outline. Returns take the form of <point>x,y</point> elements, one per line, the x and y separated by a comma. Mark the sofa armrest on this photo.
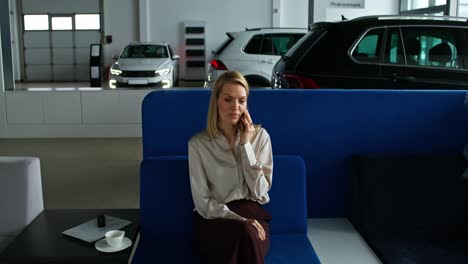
<point>20,193</point>
<point>288,202</point>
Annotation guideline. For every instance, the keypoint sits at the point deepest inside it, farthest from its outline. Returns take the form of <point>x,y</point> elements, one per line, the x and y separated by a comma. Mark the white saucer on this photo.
<point>102,245</point>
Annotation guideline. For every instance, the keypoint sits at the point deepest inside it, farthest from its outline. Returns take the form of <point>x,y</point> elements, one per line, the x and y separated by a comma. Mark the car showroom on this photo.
<point>104,106</point>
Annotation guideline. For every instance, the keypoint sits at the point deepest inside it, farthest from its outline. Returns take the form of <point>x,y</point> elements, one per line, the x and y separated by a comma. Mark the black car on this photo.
<point>379,52</point>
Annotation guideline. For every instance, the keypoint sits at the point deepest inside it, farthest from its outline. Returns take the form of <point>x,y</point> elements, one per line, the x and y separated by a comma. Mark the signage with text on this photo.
<point>347,3</point>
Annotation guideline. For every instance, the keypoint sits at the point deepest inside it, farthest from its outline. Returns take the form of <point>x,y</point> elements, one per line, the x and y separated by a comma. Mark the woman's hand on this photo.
<point>259,227</point>
<point>246,127</point>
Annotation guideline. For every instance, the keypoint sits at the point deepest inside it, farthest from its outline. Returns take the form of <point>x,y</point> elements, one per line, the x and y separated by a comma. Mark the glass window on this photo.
<point>283,42</point>
<point>61,23</point>
<point>368,49</point>
<point>323,56</point>
<point>87,21</point>
<point>272,44</point>
<point>145,51</point>
<point>412,47</point>
<point>432,47</point>
<point>394,48</point>
<point>417,4</point>
<point>463,9</point>
<point>433,7</point>
<point>36,22</point>
<point>316,31</point>
<point>267,46</point>
<point>253,47</point>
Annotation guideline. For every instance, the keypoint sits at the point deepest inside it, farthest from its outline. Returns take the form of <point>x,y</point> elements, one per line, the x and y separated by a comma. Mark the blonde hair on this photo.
<point>212,119</point>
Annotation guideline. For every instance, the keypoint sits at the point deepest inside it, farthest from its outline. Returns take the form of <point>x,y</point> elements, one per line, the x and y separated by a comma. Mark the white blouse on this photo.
<point>218,176</point>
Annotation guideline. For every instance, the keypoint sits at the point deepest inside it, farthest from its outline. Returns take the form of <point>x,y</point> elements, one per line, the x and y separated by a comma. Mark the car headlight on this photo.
<point>163,71</point>
<point>115,71</point>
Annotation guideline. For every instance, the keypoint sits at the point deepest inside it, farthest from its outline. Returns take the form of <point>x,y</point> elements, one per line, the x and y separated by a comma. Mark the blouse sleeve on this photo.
<point>205,205</point>
<point>259,167</point>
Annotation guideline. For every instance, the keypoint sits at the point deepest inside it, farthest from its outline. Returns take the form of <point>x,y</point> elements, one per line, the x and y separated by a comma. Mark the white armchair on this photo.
<point>20,195</point>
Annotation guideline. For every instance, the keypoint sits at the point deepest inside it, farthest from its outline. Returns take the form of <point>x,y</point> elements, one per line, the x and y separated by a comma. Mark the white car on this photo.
<point>253,52</point>
<point>145,64</point>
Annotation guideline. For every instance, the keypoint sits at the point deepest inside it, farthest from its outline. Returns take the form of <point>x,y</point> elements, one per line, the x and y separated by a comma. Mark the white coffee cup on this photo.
<point>114,238</point>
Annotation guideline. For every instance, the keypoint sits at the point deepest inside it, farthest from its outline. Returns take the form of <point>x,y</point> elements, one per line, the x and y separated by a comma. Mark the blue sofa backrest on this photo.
<point>323,126</point>
<point>166,202</point>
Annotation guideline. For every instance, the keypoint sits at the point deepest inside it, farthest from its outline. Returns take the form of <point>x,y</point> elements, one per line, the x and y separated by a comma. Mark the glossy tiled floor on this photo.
<point>337,242</point>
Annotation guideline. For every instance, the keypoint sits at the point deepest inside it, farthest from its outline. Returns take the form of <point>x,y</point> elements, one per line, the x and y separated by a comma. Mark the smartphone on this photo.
<point>240,124</point>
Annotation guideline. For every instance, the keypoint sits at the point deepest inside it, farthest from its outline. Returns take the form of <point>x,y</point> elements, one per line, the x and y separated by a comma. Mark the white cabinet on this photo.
<point>75,114</point>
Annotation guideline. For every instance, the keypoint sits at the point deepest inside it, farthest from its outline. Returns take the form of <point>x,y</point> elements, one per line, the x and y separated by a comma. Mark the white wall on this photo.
<point>294,13</point>
<point>121,22</point>
<point>14,40</point>
<point>322,11</point>
<point>59,6</point>
<point>165,23</point>
<point>71,114</point>
<point>453,11</point>
<point>1,64</point>
<point>143,12</point>
<point>3,121</point>
<point>166,17</point>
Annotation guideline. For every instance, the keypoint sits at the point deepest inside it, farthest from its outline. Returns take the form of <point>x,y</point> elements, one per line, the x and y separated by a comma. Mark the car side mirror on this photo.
<point>175,57</point>
<point>115,57</point>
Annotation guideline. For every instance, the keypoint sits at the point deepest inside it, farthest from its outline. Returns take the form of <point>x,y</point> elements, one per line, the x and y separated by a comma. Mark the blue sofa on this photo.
<point>324,127</point>
<point>166,212</point>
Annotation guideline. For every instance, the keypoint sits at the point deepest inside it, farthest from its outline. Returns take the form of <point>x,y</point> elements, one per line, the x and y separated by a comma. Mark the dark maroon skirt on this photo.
<point>232,241</point>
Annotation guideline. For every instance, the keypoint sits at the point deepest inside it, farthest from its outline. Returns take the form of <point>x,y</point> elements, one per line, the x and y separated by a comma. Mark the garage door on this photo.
<point>56,42</point>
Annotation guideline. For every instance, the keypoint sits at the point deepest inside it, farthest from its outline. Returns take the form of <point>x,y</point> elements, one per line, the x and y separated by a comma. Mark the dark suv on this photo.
<point>379,52</point>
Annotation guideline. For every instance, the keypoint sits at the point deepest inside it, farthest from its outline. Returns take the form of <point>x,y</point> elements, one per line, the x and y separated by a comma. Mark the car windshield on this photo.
<point>145,51</point>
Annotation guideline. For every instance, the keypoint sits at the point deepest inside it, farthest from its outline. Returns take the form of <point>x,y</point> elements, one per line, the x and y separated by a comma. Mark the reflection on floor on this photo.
<point>336,242</point>
<point>85,86</point>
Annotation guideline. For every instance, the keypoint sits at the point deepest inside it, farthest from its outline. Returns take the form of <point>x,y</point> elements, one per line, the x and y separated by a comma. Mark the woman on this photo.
<point>231,167</point>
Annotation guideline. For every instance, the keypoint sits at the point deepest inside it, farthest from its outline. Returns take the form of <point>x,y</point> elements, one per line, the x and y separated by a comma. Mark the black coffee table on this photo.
<point>43,242</point>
